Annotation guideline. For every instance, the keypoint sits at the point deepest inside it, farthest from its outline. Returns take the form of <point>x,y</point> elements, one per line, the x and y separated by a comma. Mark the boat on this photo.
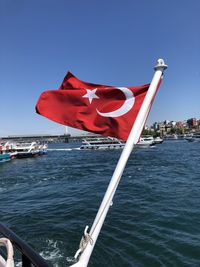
<point>7,147</point>
<point>43,149</point>
<point>145,142</point>
<point>4,155</point>
<point>193,138</point>
<point>26,150</point>
<point>158,140</point>
<point>99,143</point>
<point>23,150</point>
<point>171,137</point>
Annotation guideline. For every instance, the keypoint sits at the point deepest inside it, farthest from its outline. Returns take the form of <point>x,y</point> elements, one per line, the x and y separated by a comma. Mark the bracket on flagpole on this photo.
<point>84,241</point>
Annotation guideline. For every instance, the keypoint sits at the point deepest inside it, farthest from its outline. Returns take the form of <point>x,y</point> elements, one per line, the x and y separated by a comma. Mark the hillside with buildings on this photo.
<point>174,127</point>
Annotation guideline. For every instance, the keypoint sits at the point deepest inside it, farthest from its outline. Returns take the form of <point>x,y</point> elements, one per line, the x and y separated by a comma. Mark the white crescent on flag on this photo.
<point>128,104</point>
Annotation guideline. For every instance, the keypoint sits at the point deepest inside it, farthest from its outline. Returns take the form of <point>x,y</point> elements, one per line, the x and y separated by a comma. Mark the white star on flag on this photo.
<point>91,95</point>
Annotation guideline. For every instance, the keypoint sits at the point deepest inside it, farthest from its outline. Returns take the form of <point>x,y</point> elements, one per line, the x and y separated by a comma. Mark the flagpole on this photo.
<point>89,239</point>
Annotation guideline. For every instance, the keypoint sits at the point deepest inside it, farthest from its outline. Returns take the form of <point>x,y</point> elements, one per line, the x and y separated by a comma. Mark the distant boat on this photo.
<point>158,140</point>
<point>26,150</point>
<point>23,150</point>
<point>171,137</point>
<point>193,138</point>
<point>145,142</point>
<point>43,149</point>
<point>6,148</point>
<point>99,143</point>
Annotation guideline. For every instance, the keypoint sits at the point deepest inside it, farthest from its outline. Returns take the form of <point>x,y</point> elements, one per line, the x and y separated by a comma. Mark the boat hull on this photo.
<point>5,157</point>
<point>22,155</point>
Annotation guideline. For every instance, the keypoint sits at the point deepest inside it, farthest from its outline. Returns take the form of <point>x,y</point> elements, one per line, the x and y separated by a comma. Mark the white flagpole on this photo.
<point>89,239</point>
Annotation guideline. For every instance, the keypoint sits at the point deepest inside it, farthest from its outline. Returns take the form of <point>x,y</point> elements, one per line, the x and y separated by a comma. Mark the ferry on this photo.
<point>102,143</point>
<point>99,143</point>
<point>28,150</point>
<point>23,150</point>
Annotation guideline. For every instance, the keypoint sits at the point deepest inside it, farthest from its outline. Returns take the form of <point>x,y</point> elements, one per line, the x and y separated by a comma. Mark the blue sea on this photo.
<point>154,220</point>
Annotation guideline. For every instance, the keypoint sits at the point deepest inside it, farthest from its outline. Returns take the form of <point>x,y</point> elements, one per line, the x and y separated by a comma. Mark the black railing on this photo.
<point>29,256</point>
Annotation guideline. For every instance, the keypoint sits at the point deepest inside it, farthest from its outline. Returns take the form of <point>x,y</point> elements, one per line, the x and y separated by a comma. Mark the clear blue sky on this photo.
<point>114,42</point>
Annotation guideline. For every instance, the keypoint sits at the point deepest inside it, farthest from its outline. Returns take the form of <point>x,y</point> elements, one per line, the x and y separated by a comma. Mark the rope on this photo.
<point>86,238</point>
<point>84,241</point>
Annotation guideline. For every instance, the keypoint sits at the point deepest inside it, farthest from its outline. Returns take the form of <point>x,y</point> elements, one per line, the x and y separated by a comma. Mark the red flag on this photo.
<point>102,109</point>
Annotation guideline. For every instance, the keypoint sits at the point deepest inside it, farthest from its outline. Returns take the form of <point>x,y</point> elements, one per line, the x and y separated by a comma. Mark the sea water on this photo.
<point>154,220</point>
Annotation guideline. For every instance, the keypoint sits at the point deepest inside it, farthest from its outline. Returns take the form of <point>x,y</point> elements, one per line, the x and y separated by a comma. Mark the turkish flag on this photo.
<point>102,109</point>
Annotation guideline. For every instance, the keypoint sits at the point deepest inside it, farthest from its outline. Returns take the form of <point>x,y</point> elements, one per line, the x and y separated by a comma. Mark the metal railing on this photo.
<point>29,256</point>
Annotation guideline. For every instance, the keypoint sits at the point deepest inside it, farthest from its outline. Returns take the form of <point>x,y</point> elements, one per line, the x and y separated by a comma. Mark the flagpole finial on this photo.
<point>160,64</point>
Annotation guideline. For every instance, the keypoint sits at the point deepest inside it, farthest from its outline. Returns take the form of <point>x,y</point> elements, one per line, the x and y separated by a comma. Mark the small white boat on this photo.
<point>145,142</point>
<point>171,137</point>
<point>158,140</point>
<point>194,138</point>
